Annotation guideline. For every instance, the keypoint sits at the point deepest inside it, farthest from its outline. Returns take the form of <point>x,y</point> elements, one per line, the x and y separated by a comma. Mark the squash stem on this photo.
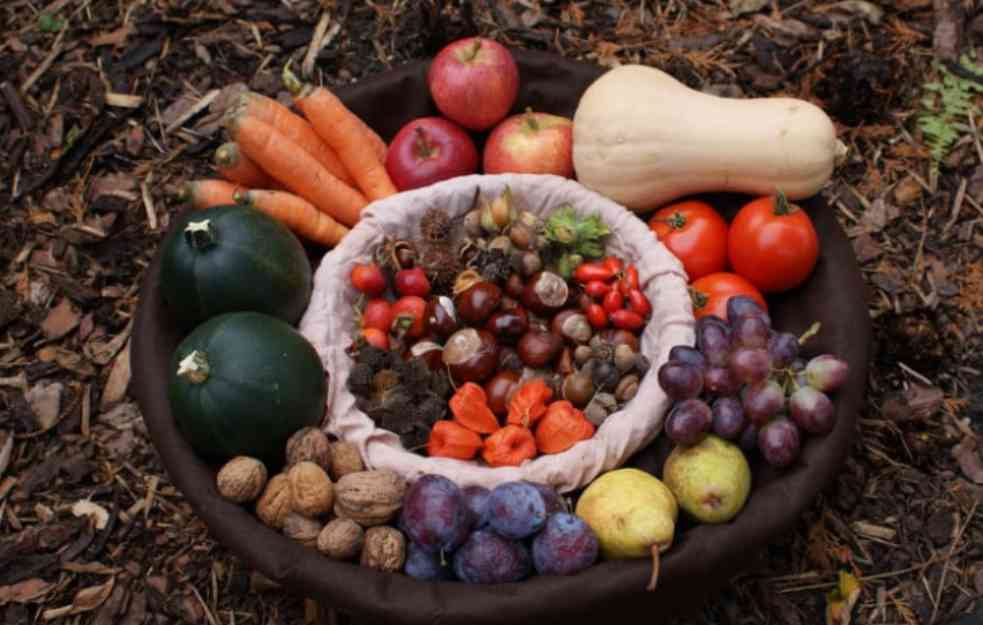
<point>199,234</point>
<point>194,367</point>
<point>654,578</point>
<point>782,205</point>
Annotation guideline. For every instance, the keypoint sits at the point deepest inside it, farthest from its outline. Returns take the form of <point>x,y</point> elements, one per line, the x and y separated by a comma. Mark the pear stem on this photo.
<point>655,569</point>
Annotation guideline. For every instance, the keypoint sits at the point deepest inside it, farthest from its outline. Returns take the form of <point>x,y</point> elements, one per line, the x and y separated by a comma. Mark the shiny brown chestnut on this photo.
<point>499,391</point>
<point>538,349</point>
<point>515,286</point>
<point>430,352</point>
<point>545,293</point>
<point>572,325</point>
<point>477,303</point>
<point>471,355</point>
<point>509,303</point>
<point>441,316</point>
<point>564,364</point>
<point>508,360</point>
<point>508,326</point>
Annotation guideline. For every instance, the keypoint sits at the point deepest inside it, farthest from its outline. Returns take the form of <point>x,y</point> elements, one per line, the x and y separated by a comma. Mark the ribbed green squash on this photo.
<point>232,258</point>
<point>242,383</point>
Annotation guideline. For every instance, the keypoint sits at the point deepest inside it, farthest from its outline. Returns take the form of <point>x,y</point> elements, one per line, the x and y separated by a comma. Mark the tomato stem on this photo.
<point>699,299</point>
<point>782,205</point>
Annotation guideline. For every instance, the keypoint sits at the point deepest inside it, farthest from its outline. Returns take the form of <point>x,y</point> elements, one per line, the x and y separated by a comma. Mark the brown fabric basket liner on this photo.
<point>703,557</point>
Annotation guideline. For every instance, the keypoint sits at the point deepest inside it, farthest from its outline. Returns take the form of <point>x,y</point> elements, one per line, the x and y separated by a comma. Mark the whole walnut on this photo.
<point>384,549</point>
<point>341,539</point>
<point>310,488</point>
<point>309,444</point>
<point>302,529</point>
<point>369,497</point>
<point>345,459</point>
<point>242,479</point>
<point>275,503</point>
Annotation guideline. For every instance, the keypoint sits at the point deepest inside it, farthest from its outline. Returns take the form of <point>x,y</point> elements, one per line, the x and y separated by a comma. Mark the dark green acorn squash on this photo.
<point>241,383</point>
<point>233,258</point>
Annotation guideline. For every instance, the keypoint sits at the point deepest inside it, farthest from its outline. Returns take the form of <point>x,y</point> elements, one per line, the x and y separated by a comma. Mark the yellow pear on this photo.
<point>633,514</point>
<point>711,480</point>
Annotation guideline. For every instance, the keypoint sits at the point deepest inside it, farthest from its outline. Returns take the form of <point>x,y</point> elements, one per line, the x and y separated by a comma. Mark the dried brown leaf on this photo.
<point>45,402</point>
<point>61,320</point>
<point>114,38</point>
<point>6,450</point>
<point>118,381</point>
<point>743,7</point>
<point>967,454</point>
<point>978,580</point>
<point>866,248</point>
<point>840,601</point>
<point>25,591</point>
<point>866,10</point>
<point>85,600</point>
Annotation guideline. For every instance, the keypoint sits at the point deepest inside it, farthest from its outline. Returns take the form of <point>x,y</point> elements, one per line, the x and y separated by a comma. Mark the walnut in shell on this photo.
<point>384,549</point>
<point>311,489</point>
<point>345,459</point>
<point>369,497</point>
<point>341,539</point>
<point>275,503</point>
<point>309,444</point>
<point>302,529</point>
<point>242,479</point>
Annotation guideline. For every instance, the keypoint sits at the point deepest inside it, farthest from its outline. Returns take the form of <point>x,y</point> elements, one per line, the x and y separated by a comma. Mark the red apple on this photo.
<point>428,150</point>
<point>531,143</point>
<point>474,82</point>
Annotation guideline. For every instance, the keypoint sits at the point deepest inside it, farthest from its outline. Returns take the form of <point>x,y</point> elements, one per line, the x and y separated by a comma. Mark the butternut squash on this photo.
<point>642,138</point>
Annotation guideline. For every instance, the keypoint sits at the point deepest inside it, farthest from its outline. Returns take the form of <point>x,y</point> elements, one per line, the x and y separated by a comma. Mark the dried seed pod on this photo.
<point>369,497</point>
<point>242,479</point>
<point>302,529</point>
<point>276,501</point>
<point>341,539</point>
<point>384,549</point>
<point>309,444</point>
<point>472,224</point>
<point>627,388</point>
<point>345,459</point>
<point>310,489</point>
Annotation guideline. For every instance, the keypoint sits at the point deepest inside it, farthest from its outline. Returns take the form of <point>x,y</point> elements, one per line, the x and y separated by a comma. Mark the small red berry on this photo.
<point>639,304</point>
<point>596,316</point>
<point>613,301</point>
<point>412,311</point>
<point>627,320</point>
<point>368,279</point>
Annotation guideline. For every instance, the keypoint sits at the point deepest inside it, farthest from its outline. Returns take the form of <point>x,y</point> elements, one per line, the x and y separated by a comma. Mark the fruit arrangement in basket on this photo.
<point>494,338</point>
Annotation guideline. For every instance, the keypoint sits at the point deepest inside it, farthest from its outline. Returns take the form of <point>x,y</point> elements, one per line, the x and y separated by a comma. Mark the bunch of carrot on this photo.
<point>314,172</point>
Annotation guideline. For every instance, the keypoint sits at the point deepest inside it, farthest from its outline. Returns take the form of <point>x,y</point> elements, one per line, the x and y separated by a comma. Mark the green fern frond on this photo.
<point>945,103</point>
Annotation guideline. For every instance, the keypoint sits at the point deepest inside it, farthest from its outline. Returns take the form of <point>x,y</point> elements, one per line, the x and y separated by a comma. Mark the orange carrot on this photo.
<point>295,213</point>
<point>342,130</point>
<point>233,165</point>
<point>298,171</point>
<point>208,193</point>
<point>293,126</point>
<point>378,145</point>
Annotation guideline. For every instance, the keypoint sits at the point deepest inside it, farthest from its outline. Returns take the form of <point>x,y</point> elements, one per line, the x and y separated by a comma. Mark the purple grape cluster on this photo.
<point>746,382</point>
<point>491,537</point>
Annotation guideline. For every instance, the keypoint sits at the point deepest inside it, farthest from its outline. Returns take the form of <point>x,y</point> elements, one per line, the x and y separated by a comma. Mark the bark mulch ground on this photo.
<point>106,107</point>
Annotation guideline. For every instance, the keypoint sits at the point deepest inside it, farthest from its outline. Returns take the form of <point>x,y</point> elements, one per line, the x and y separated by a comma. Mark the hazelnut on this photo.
<point>384,549</point>
<point>624,358</point>
<point>341,539</point>
<point>345,459</point>
<point>242,479</point>
<point>311,489</point>
<point>582,354</point>
<point>627,388</point>
<point>309,444</point>
<point>302,529</point>
<point>578,388</point>
<point>275,503</point>
<point>600,408</point>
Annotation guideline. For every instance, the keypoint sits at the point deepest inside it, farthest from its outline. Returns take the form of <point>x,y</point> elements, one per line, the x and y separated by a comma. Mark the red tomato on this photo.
<point>596,288</point>
<point>378,313</point>
<point>629,280</point>
<point>638,303</point>
<point>368,279</point>
<point>626,320</point>
<point>710,293</point>
<point>376,338</point>
<point>773,244</point>
<point>413,308</point>
<point>590,271</point>
<point>597,317</point>
<point>613,301</point>
<point>695,233</point>
<point>613,263</point>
